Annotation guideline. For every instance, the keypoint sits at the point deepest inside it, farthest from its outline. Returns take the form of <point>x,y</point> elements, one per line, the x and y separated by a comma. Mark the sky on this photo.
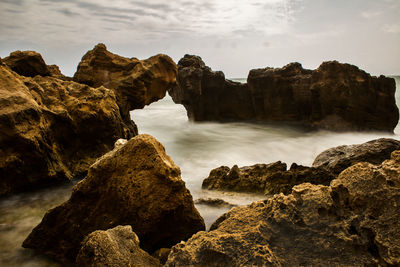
<point>230,35</point>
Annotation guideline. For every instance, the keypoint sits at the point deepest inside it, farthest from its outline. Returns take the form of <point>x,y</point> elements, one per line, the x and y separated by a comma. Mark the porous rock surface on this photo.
<point>338,158</point>
<point>27,63</point>
<point>136,83</point>
<point>353,222</point>
<point>135,184</point>
<point>52,130</point>
<point>335,96</point>
<point>266,179</point>
<point>115,247</point>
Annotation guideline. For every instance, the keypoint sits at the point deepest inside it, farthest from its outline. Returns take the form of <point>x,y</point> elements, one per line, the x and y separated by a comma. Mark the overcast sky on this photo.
<point>230,35</point>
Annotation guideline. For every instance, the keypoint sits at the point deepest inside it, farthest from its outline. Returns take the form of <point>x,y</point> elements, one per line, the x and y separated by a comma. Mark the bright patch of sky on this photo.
<point>230,35</point>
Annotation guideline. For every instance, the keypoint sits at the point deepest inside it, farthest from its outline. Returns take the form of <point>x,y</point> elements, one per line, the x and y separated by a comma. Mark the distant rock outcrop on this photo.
<point>115,247</point>
<point>52,130</point>
<point>136,184</point>
<point>266,179</point>
<point>136,83</point>
<point>335,96</point>
<point>338,158</point>
<point>352,222</point>
<point>207,95</point>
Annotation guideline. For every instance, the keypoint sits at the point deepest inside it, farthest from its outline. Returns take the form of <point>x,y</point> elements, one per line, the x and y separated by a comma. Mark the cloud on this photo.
<point>370,14</point>
<point>392,28</point>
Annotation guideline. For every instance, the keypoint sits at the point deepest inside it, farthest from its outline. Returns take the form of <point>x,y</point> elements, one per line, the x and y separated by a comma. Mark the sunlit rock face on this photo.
<point>135,184</point>
<point>335,96</point>
<point>52,130</point>
<point>352,222</point>
<point>136,83</point>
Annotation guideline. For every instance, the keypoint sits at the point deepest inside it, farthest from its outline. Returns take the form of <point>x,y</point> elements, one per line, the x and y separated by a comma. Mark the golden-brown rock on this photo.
<point>136,83</point>
<point>353,222</point>
<point>52,130</point>
<point>27,63</point>
<point>136,184</point>
<point>115,247</point>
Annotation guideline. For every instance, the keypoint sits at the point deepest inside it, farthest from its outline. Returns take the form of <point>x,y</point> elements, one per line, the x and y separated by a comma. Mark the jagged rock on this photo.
<point>27,63</point>
<point>352,222</point>
<point>269,179</point>
<point>136,184</point>
<point>207,95</point>
<point>215,202</point>
<point>136,83</point>
<point>337,159</point>
<point>115,247</point>
<point>52,130</point>
<point>335,96</point>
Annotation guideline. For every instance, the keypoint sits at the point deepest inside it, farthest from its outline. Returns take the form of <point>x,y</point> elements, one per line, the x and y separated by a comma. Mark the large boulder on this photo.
<point>207,95</point>
<point>136,83</point>
<point>27,63</point>
<point>338,158</point>
<point>335,96</point>
<point>135,184</point>
<point>53,130</point>
<point>115,247</point>
<point>352,222</point>
<point>266,179</point>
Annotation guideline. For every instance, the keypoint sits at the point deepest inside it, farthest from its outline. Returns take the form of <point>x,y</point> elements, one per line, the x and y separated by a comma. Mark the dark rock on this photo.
<point>162,254</point>
<point>136,184</point>
<point>352,222</point>
<point>215,202</point>
<point>27,63</point>
<point>207,95</point>
<point>269,179</point>
<point>52,130</point>
<point>115,247</point>
<point>335,96</point>
<point>136,83</point>
<point>337,159</point>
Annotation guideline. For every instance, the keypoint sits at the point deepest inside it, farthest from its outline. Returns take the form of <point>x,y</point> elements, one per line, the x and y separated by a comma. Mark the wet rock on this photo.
<point>136,83</point>
<point>335,96</point>
<point>337,159</point>
<point>136,184</point>
<point>268,179</point>
<point>215,202</point>
<point>352,222</point>
<point>52,130</point>
<point>118,246</point>
<point>207,95</point>
<point>27,63</point>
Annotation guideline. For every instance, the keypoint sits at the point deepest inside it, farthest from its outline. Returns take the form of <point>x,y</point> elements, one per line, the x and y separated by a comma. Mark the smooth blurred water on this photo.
<point>196,148</point>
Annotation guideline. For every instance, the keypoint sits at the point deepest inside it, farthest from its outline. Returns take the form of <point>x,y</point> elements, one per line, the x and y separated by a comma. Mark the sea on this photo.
<point>196,148</point>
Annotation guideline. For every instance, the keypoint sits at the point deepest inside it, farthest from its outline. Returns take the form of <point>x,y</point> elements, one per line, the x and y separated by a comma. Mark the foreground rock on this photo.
<point>136,184</point>
<point>335,96</point>
<point>352,222</point>
<point>114,248</point>
<point>52,130</point>
<point>267,179</point>
<point>136,83</point>
<point>27,63</point>
<point>337,159</point>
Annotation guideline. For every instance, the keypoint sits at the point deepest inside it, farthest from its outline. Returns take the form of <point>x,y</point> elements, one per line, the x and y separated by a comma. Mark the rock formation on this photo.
<point>136,83</point>
<point>337,159</point>
<point>268,179</point>
<point>207,95</point>
<point>115,247</point>
<point>352,222</point>
<point>27,63</point>
<point>52,130</point>
<point>335,96</point>
<point>135,184</point>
